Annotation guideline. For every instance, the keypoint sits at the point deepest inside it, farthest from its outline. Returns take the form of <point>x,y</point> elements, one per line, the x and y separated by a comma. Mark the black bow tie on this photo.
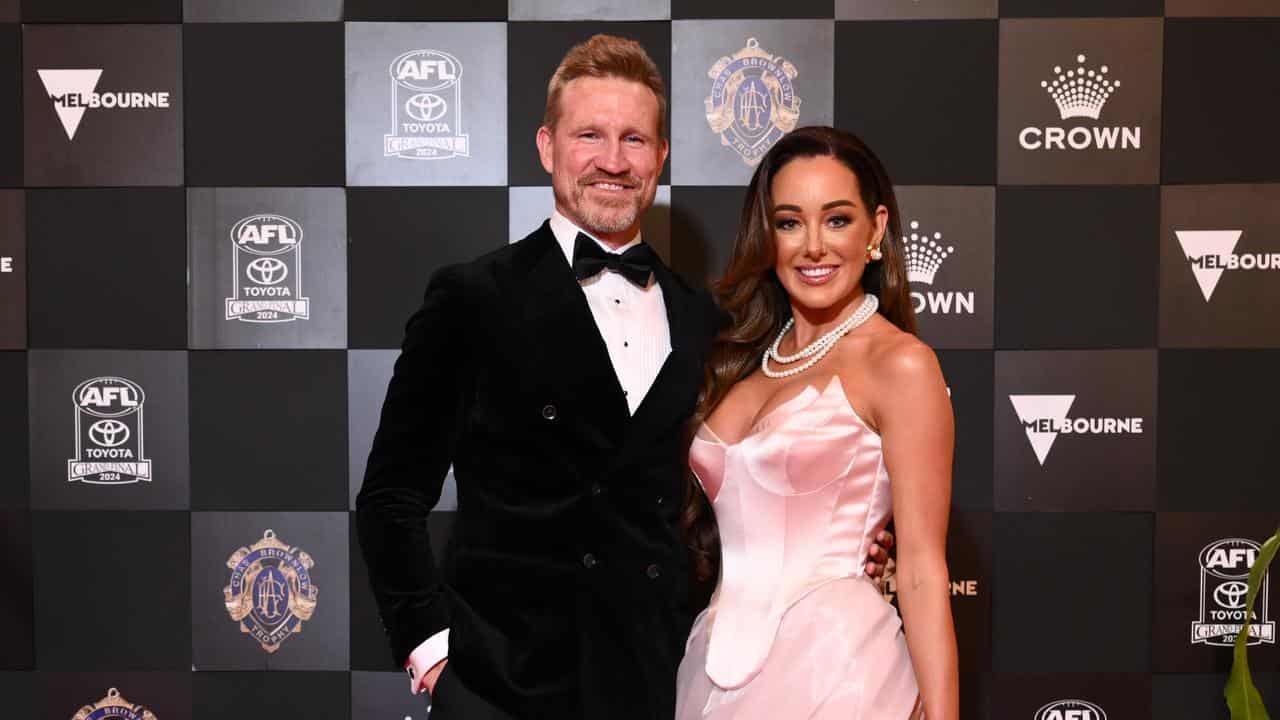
<point>589,260</point>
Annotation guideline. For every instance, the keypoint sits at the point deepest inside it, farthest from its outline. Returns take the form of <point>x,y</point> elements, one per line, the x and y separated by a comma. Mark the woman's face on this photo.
<point>821,230</point>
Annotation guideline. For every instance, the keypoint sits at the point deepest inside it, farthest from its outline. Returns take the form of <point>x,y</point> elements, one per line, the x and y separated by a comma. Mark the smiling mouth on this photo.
<point>817,274</point>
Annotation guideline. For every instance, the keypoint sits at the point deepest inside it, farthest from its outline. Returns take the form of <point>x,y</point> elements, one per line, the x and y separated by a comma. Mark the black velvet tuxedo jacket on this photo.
<point>566,585</point>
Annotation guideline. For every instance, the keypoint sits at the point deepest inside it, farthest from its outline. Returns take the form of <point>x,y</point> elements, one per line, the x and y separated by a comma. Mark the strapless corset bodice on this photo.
<point>797,501</point>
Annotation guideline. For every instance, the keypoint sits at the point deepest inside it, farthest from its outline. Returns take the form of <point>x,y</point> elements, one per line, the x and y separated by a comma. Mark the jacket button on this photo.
<point>653,571</point>
<point>549,412</point>
<point>589,561</point>
<point>596,489</point>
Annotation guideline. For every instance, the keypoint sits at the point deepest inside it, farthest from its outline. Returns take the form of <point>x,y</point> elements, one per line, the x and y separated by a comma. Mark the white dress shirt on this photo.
<point>633,324</point>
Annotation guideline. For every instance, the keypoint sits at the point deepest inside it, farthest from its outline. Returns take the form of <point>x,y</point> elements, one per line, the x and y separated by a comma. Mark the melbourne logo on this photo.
<point>109,448</point>
<point>889,585</point>
<point>113,706</point>
<point>73,92</point>
<point>267,282</point>
<point>753,101</point>
<point>924,255</point>
<point>1044,417</point>
<point>270,593</point>
<point>1212,252</point>
<point>1080,94</point>
<point>1070,710</point>
<point>1224,582</point>
<point>426,107</point>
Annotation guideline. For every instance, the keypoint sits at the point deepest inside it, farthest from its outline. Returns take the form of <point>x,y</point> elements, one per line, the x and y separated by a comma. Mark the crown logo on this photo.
<point>924,254</point>
<point>1080,92</point>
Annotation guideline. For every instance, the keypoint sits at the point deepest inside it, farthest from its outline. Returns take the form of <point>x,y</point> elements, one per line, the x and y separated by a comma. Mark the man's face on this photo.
<point>604,154</point>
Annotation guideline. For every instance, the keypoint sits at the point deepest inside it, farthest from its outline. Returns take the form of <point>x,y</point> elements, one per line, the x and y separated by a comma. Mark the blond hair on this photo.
<point>606,56</point>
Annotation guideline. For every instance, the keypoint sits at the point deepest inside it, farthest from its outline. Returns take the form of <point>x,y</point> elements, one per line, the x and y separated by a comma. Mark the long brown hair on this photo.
<point>757,304</point>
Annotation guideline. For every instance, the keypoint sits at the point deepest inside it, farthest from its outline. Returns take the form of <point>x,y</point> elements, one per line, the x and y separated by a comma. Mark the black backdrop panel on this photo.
<point>17,652</point>
<point>1218,430</point>
<point>1081,8</point>
<point>280,695</point>
<point>284,128</point>
<point>134,572</point>
<point>107,268</point>
<point>13,423</point>
<point>705,221</point>
<point>1199,697</point>
<point>534,49</point>
<point>103,11</point>
<point>13,270</point>
<point>1222,78</point>
<point>398,238</point>
<point>11,113</point>
<point>417,10</point>
<point>1092,695</point>
<point>1056,564</point>
<point>969,376</point>
<point>1077,267</point>
<point>271,432</point>
<point>701,9</point>
<point>923,95</point>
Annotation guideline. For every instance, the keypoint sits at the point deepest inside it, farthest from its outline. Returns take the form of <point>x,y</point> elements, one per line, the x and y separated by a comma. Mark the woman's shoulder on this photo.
<point>894,356</point>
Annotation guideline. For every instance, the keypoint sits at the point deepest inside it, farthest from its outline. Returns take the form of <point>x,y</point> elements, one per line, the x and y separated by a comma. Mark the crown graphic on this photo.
<point>924,255</point>
<point>1080,92</point>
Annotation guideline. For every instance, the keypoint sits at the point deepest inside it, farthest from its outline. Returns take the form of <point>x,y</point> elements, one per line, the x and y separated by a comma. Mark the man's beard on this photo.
<point>608,217</point>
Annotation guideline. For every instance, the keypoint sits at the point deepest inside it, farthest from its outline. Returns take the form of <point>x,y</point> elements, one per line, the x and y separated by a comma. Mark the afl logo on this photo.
<point>1224,575</point>
<point>108,426</point>
<point>115,707</point>
<point>426,107</point>
<point>267,253</point>
<point>266,234</point>
<point>109,397</point>
<point>426,70</point>
<point>1070,710</point>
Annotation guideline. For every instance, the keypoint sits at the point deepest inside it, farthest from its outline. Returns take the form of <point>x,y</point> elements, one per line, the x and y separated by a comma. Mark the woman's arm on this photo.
<point>918,435</point>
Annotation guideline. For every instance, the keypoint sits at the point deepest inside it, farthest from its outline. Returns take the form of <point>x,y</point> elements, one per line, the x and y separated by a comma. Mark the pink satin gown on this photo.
<point>796,629</point>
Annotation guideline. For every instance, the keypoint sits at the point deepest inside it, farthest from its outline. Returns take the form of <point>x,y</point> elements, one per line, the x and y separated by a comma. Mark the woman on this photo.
<point>820,412</point>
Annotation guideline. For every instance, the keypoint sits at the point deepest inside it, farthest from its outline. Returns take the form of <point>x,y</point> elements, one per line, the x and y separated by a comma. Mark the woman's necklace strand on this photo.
<point>819,348</point>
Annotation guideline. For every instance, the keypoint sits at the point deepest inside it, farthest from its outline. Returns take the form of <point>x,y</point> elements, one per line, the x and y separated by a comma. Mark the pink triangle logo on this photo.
<point>63,86</point>
<point>1200,245</point>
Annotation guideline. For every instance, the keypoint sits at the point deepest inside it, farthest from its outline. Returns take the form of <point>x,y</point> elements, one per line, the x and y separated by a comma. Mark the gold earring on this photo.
<point>874,253</point>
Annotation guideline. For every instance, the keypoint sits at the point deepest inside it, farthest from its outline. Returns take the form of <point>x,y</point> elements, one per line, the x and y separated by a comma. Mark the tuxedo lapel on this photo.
<point>565,347</point>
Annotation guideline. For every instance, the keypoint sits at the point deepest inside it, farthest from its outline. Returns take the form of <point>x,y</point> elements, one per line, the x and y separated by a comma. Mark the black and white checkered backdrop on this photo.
<point>218,214</point>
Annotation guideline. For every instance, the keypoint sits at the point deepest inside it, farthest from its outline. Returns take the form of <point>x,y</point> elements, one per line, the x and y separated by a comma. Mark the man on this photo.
<point>555,375</point>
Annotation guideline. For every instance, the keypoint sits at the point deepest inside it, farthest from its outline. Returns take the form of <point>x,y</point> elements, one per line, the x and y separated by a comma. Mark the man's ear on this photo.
<point>544,141</point>
<point>663,150</point>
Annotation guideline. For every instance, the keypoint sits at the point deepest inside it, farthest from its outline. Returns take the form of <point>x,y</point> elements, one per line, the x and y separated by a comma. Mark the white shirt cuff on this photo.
<point>431,651</point>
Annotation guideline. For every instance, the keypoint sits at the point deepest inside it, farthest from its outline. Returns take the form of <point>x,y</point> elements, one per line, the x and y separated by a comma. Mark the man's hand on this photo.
<point>878,556</point>
<point>420,679</point>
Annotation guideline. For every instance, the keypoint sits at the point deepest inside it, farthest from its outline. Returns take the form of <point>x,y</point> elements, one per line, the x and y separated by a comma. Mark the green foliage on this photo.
<point>1242,697</point>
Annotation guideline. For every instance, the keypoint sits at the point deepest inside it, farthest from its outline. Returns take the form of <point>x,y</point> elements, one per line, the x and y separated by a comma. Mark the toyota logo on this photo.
<point>267,271</point>
<point>109,433</point>
<point>425,107</point>
<point>1231,595</point>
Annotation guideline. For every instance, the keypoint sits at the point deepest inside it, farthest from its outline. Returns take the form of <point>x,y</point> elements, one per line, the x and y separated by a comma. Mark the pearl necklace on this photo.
<point>819,348</point>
